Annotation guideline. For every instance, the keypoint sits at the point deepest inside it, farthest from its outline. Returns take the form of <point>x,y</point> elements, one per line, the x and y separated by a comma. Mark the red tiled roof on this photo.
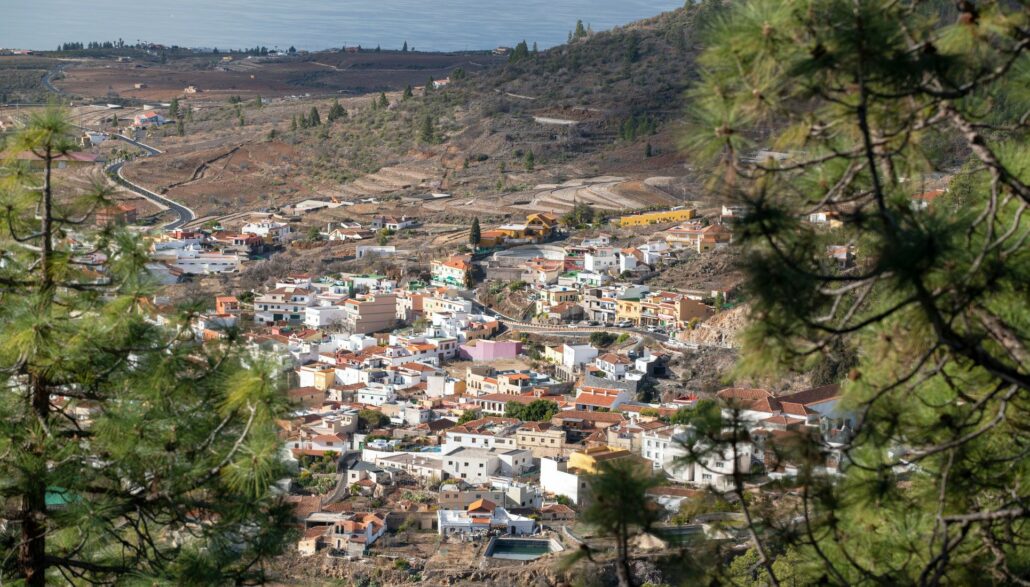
<point>814,395</point>
<point>610,417</point>
<point>614,359</point>
<point>590,399</point>
<point>303,391</point>
<point>482,504</point>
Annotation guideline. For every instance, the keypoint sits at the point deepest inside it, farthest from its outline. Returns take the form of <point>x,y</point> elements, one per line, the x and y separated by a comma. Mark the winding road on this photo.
<point>185,215</point>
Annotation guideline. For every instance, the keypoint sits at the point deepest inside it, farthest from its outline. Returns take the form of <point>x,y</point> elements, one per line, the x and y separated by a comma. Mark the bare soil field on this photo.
<point>316,73</point>
<point>222,179</point>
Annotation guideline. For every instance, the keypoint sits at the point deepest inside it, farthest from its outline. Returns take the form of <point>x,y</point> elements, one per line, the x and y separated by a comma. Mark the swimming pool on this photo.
<point>521,549</point>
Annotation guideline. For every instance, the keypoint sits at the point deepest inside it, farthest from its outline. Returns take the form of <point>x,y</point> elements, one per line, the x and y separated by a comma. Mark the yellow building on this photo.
<point>554,354</point>
<point>658,217</point>
<point>587,461</point>
<point>628,309</point>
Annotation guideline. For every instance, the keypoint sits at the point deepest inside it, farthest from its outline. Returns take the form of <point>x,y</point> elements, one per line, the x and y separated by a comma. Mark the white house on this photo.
<point>613,365</point>
<point>323,315</point>
<point>556,478</point>
<point>666,448</point>
<point>480,517</point>
<point>356,534</point>
<point>282,304</point>
<point>393,222</point>
<point>272,230</point>
<point>441,385</point>
<point>376,396</point>
<point>575,356</point>
<point>477,465</point>
<point>600,260</point>
<point>627,262</point>
<point>490,432</point>
<point>191,260</point>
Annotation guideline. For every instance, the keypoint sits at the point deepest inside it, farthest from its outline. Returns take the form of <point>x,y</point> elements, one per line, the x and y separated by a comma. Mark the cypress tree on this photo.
<point>475,235</point>
<point>530,161</point>
<point>408,92</point>
<point>581,31</point>
<point>426,134</point>
<point>313,118</point>
<point>383,101</point>
<point>173,109</point>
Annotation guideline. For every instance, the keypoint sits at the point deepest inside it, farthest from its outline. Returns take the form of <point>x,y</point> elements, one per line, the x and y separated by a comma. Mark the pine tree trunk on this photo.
<point>32,550</point>
<point>622,570</point>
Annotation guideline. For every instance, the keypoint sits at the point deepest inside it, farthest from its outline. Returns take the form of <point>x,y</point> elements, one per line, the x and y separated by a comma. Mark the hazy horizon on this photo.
<point>442,25</point>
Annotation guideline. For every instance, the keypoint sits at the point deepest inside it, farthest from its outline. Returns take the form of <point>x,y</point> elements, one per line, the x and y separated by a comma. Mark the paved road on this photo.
<point>48,79</point>
<point>185,215</point>
<point>570,329</point>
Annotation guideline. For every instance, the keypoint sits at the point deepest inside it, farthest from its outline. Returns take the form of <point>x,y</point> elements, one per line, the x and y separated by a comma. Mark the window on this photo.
<point>480,465</point>
<point>706,476</point>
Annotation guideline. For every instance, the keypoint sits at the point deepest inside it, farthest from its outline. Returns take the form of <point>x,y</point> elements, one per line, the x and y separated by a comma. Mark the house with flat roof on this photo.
<point>480,517</point>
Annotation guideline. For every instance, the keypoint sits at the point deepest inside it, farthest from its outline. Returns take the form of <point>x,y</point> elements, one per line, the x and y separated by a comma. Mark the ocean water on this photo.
<point>438,25</point>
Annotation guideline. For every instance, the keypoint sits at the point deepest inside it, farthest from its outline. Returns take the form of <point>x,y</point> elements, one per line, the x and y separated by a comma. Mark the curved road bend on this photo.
<point>185,215</point>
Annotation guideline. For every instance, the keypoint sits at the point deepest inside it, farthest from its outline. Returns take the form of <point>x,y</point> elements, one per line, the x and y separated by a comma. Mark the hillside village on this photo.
<point>457,386</point>
<point>426,416</point>
<point>474,292</point>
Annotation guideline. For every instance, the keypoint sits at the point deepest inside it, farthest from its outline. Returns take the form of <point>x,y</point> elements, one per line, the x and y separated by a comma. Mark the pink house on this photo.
<point>488,350</point>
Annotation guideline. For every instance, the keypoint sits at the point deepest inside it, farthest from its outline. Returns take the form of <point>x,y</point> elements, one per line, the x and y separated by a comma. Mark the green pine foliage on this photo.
<point>580,31</point>
<point>336,112</point>
<point>637,125</point>
<point>520,52</point>
<point>426,132</point>
<point>864,100</point>
<point>129,451</point>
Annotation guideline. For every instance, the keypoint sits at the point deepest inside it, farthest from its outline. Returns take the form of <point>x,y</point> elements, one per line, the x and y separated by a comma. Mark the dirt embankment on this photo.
<point>500,297</point>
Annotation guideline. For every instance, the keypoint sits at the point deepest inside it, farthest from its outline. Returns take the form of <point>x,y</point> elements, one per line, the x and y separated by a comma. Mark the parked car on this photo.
<point>624,324</point>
